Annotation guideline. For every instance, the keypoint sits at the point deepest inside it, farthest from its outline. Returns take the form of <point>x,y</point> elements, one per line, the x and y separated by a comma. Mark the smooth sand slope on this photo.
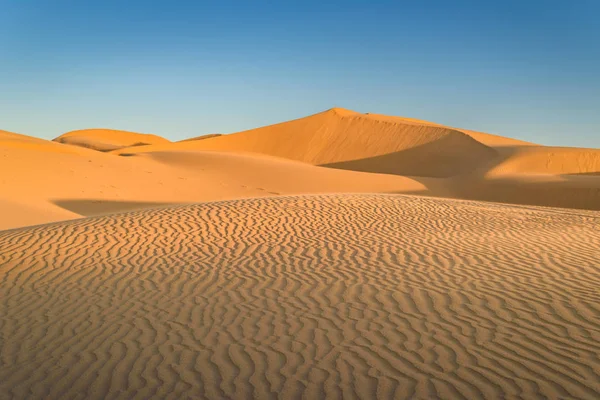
<point>42,181</point>
<point>108,139</point>
<point>46,181</point>
<point>536,175</point>
<point>476,165</point>
<point>327,296</point>
<point>349,140</point>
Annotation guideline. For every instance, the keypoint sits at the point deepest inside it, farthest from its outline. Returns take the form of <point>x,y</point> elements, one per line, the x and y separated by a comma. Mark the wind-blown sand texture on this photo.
<point>324,296</point>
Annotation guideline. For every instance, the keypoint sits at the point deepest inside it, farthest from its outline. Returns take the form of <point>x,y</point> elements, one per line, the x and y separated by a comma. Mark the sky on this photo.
<point>526,69</point>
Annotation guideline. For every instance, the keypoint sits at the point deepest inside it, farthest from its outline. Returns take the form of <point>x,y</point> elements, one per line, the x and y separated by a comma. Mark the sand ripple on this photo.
<point>336,296</point>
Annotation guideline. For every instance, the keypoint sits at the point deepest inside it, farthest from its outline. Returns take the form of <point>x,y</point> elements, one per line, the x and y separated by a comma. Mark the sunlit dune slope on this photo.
<point>49,181</point>
<point>486,138</point>
<point>108,139</point>
<point>42,181</point>
<point>346,139</point>
<point>10,141</point>
<point>305,297</point>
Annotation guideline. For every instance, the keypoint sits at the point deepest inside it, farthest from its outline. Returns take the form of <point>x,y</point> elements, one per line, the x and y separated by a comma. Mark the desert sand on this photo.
<point>474,165</point>
<point>340,255</point>
<point>108,139</point>
<point>48,181</point>
<point>322,296</point>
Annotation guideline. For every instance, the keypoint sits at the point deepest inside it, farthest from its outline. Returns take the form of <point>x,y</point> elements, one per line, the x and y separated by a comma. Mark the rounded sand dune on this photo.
<point>327,296</point>
<point>108,139</point>
<point>49,181</point>
<point>350,140</point>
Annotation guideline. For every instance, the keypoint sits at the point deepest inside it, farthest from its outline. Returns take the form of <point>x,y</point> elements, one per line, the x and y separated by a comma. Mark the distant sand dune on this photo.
<point>329,296</point>
<point>43,181</point>
<point>66,178</point>
<point>348,140</point>
<point>108,139</point>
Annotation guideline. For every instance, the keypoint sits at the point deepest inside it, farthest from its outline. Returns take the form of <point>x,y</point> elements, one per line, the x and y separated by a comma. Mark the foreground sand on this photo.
<point>328,296</point>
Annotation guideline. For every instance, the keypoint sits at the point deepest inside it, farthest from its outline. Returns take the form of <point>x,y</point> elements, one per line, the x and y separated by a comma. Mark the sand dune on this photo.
<point>329,296</point>
<point>49,181</point>
<point>548,160</point>
<point>108,139</point>
<point>476,165</point>
<point>346,139</point>
<point>536,175</point>
<point>282,294</point>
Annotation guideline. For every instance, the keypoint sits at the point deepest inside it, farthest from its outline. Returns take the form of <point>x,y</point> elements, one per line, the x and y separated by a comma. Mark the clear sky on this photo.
<point>528,69</point>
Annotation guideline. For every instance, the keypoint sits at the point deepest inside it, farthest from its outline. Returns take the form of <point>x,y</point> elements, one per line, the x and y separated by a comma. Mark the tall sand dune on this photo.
<point>327,296</point>
<point>50,181</point>
<point>108,139</point>
<point>346,139</point>
<point>475,165</point>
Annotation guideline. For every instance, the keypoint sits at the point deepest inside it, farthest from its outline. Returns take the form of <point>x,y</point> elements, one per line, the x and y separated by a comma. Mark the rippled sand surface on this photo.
<point>321,296</point>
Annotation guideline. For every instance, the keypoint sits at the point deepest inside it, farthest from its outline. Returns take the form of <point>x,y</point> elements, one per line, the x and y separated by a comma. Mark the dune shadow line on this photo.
<point>441,158</point>
<point>92,207</point>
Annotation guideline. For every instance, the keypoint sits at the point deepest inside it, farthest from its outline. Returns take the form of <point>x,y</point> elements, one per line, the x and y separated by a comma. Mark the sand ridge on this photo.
<point>108,139</point>
<point>43,181</point>
<point>51,180</point>
<point>368,296</point>
<point>349,140</point>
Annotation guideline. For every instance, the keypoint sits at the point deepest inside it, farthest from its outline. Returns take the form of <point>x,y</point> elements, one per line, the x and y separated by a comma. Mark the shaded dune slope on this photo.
<point>346,139</point>
<point>370,296</point>
<point>108,139</point>
<point>548,160</point>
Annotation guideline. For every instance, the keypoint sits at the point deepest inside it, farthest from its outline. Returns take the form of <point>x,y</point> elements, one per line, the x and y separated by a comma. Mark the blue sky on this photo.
<point>527,69</point>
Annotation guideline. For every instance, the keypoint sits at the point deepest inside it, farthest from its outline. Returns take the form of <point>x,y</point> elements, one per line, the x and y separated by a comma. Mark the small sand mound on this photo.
<point>108,139</point>
<point>304,297</point>
<point>346,139</point>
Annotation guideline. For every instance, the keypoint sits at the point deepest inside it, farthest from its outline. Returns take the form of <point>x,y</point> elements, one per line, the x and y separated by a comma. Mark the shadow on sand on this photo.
<point>93,207</point>
<point>440,158</point>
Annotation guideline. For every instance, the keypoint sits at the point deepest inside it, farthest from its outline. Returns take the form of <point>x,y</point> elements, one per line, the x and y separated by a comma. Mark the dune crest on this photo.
<point>370,152</point>
<point>108,139</point>
<point>202,137</point>
<point>347,139</point>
